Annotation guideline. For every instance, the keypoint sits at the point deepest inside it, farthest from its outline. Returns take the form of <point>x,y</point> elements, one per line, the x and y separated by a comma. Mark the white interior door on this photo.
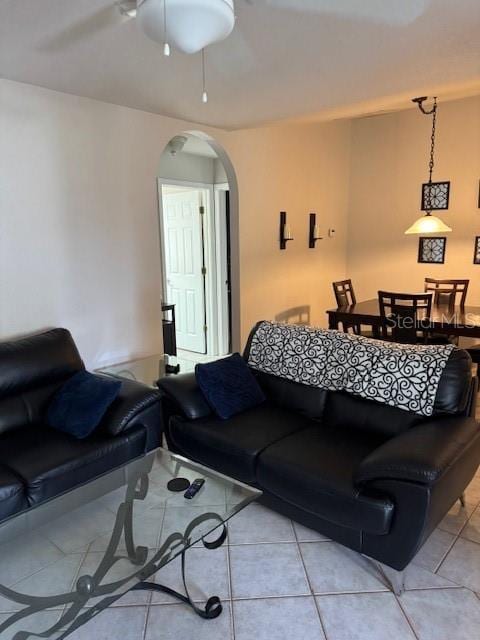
<point>184,261</point>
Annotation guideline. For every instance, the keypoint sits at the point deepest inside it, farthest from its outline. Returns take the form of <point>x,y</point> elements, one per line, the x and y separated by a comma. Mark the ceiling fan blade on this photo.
<point>233,56</point>
<point>84,28</point>
<point>390,12</point>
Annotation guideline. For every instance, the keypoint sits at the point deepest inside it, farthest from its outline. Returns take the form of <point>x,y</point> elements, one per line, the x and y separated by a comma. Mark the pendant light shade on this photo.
<point>428,224</point>
<point>192,24</point>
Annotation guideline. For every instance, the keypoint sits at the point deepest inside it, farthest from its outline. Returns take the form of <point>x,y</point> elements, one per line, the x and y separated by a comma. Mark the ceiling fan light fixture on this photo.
<point>192,24</point>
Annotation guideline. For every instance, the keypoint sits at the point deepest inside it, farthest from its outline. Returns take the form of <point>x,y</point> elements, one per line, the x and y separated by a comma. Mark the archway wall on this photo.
<point>298,169</point>
<point>86,227</point>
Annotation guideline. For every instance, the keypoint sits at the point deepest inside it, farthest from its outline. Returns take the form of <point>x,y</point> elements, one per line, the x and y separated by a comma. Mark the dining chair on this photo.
<point>402,314</point>
<point>344,293</point>
<point>447,292</point>
<point>345,297</point>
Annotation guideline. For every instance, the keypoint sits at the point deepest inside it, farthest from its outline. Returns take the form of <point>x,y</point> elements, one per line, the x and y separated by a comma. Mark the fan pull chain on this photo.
<point>204,94</point>
<point>166,46</point>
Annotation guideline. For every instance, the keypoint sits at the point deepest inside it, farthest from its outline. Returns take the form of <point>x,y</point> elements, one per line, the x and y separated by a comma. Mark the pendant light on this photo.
<point>428,223</point>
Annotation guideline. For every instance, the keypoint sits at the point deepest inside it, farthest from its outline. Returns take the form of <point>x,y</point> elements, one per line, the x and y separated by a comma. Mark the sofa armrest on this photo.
<point>185,394</point>
<point>423,453</point>
<point>132,401</point>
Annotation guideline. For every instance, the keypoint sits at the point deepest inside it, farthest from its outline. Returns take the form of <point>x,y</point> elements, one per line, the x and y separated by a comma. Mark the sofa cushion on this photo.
<point>31,370</point>
<point>294,396</point>
<point>37,360</point>
<point>344,410</point>
<point>311,356</point>
<point>12,493</point>
<point>81,402</point>
<point>313,469</point>
<point>229,386</point>
<point>50,462</point>
<point>232,446</point>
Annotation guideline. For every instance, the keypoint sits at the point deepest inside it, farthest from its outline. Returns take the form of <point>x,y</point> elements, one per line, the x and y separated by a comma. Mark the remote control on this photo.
<point>194,488</point>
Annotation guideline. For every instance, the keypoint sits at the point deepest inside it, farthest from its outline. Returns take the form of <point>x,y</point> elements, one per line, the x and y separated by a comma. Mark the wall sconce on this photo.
<point>285,231</point>
<point>314,233</point>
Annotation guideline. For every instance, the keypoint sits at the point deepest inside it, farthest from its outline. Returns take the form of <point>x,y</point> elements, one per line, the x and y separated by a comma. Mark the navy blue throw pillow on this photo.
<point>80,404</point>
<point>229,386</point>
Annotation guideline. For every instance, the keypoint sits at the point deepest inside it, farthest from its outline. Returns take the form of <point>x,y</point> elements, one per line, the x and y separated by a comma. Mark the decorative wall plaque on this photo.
<point>432,250</point>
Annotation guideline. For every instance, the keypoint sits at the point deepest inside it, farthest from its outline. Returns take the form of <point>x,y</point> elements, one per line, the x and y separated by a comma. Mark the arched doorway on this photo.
<point>198,215</point>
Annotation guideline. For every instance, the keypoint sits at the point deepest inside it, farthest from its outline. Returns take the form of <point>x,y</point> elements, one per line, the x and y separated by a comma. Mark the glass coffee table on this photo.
<point>65,561</point>
<point>146,370</point>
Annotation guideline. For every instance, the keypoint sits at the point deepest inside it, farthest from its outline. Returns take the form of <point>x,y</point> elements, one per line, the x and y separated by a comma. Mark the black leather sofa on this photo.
<point>38,462</point>
<point>374,478</point>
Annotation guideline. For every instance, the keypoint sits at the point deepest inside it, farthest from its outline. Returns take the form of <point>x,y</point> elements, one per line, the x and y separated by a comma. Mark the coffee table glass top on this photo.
<point>147,370</point>
<point>66,560</point>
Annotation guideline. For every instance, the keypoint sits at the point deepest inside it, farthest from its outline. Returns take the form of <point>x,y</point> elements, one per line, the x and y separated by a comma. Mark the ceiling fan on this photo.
<point>191,25</point>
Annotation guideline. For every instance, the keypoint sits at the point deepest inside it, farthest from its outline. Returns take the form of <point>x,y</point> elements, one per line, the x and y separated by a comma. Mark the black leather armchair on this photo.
<point>372,477</point>
<point>38,462</point>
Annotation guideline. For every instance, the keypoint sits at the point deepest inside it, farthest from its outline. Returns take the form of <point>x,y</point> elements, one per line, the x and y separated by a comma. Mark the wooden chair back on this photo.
<point>402,315</point>
<point>447,292</point>
<point>344,293</point>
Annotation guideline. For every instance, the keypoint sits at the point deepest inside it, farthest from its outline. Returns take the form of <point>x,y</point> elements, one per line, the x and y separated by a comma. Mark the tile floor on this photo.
<point>281,581</point>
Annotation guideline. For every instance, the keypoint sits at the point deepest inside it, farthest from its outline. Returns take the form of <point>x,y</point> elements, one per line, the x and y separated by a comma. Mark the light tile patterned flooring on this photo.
<point>281,581</point>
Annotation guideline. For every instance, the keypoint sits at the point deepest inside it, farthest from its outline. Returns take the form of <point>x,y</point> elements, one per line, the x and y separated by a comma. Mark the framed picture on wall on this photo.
<point>435,196</point>
<point>432,250</point>
<point>476,251</point>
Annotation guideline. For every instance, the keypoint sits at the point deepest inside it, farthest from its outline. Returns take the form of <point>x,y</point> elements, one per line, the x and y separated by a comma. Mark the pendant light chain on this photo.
<point>432,146</point>
<point>431,164</point>
<point>204,84</point>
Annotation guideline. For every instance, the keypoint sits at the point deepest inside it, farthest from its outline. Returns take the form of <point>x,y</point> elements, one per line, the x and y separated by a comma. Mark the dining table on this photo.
<point>454,321</point>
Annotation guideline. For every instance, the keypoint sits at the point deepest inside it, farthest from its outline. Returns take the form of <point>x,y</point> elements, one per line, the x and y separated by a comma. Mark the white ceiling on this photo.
<point>278,63</point>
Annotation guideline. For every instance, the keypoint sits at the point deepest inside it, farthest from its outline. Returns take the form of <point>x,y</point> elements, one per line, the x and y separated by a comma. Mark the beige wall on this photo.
<point>79,240</point>
<point>388,166</point>
<point>78,218</point>
<point>297,169</point>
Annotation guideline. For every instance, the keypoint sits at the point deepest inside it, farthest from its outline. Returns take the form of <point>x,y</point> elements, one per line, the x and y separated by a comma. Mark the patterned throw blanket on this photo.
<point>400,375</point>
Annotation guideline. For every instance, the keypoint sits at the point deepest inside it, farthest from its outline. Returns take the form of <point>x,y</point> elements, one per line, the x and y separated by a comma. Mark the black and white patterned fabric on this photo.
<point>400,375</point>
